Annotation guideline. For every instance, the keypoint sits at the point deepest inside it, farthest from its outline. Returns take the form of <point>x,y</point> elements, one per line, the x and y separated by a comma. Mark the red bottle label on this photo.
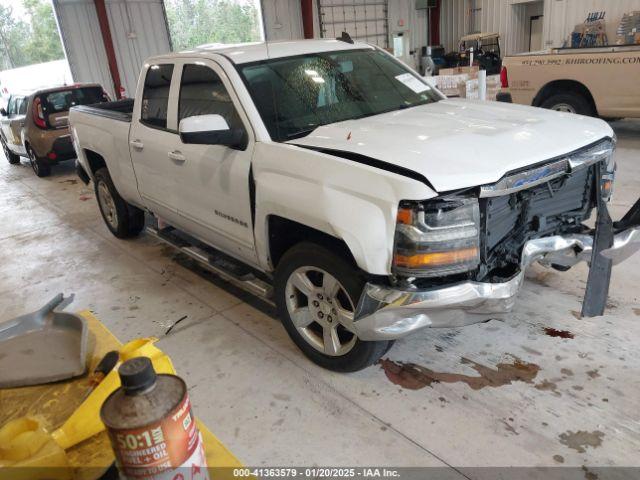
<point>170,448</point>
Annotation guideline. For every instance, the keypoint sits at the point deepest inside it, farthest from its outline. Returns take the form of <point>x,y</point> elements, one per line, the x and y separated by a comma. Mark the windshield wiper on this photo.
<point>301,133</point>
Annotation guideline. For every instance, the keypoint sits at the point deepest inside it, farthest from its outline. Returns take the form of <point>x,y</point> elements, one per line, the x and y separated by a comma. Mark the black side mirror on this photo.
<point>3,112</point>
<point>233,138</point>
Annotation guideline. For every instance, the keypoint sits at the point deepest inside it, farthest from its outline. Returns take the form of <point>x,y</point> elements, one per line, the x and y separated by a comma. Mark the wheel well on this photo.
<point>284,234</point>
<point>96,161</point>
<point>562,86</point>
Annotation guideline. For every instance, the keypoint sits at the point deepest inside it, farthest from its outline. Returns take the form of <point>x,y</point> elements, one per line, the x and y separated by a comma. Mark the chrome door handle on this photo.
<point>137,144</point>
<point>176,156</point>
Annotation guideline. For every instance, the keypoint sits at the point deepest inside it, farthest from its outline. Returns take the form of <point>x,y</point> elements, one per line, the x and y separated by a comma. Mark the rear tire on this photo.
<point>40,167</point>
<point>12,158</point>
<point>122,219</point>
<point>569,102</point>
<point>321,290</point>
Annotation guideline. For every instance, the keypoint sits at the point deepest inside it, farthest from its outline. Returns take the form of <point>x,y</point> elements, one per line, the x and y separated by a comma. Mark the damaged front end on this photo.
<point>460,259</point>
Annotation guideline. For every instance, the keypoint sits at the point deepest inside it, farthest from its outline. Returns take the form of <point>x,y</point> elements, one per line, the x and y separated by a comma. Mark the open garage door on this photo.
<point>365,20</point>
<point>138,30</point>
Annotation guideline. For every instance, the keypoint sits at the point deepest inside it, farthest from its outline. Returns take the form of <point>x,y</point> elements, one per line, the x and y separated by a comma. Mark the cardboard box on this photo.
<point>471,71</point>
<point>449,84</point>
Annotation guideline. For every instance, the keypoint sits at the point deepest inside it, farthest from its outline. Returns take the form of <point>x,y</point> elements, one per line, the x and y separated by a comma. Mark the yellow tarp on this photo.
<point>53,404</point>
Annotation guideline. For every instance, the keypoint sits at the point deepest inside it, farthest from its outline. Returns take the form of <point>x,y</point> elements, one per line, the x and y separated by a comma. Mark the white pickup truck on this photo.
<point>328,176</point>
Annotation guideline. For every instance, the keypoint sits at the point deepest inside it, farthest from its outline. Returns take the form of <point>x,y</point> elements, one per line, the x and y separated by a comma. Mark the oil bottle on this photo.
<point>151,426</point>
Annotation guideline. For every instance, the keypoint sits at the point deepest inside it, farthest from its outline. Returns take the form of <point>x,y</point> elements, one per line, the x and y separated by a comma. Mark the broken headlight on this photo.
<point>438,237</point>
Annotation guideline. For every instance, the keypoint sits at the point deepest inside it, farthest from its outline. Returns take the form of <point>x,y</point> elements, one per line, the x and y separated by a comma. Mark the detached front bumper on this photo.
<point>386,313</point>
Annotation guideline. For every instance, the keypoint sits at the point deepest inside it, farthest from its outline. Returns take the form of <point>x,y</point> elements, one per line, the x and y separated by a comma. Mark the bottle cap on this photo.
<point>137,375</point>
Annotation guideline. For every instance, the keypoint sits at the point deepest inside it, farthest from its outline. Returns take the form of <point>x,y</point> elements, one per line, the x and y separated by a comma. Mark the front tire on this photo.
<point>12,158</point>
<point>316,295</point>
<point>569,102</point>
<point>122,219</point>
<point>40,168</point>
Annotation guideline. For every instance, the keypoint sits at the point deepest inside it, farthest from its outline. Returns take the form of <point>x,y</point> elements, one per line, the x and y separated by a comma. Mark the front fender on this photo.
<point>353,202</point>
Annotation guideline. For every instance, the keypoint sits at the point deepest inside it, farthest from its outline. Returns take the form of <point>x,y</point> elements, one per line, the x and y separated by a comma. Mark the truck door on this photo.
<point>213,180</point>
<point>153,130</point>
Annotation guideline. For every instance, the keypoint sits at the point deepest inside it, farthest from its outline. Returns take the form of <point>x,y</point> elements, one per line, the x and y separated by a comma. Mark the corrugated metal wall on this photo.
<point>138,29</point>
<point>454,22</point>
<point>460,17</point>
<point>561,16</point>
<point>78,21</point>
<point>510,18</point>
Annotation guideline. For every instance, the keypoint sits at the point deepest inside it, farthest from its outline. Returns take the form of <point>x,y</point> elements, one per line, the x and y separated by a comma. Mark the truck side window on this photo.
<point>202,92</point>
<point>155,96</point>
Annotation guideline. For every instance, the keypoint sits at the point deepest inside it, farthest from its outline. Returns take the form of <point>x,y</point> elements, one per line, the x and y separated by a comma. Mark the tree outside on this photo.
<point>197,22</point>
<point>28,34</point>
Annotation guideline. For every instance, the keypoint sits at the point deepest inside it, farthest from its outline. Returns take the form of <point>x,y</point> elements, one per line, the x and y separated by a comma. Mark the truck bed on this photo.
<point>120,110</point>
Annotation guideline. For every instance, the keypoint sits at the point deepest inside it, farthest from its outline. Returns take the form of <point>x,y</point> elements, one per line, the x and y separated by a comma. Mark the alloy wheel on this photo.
<point>107,205</point>
<point>5,149</point>
<point>32,161</point>
<point>321,310</point>
<point>563,107</point>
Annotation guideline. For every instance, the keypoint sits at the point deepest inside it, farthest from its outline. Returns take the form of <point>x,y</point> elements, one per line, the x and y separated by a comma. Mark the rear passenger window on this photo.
<point>155,97</point>
<point>202,93</point>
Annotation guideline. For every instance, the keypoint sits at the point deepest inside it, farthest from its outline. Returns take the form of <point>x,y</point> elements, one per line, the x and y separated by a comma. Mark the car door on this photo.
<point>153,130</point>
<point>213,180</point>
<point>13,123</point>
<point>16,124</point>
<point>4,119</point>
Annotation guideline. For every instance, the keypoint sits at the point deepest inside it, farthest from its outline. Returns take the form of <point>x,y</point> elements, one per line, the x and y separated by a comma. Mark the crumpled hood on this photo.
<point>461,143</point>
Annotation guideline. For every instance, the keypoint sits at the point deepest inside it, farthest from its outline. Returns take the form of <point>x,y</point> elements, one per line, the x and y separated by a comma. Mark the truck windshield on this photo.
<point>295,95</point>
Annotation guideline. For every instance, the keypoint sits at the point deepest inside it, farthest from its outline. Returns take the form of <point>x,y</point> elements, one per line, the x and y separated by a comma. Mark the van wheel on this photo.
<point>40,168</point>
<point>123,219</point>
<point>569,102</point>
<point>12,158</point>
<point>317,293</point>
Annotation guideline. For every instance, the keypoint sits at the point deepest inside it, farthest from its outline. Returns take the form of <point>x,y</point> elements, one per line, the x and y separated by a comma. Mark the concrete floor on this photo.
<point>573,401</point>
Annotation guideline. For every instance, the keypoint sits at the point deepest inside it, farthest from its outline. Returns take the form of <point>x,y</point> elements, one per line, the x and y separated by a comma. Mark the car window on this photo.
<point>11,106</point>
<point>155,96</point>
<point>202,92</point>
<point>63,100</point>
<point>22,107</point>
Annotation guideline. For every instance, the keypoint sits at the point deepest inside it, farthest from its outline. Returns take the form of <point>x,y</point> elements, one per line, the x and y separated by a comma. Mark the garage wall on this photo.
<point>510,18</point>
<point>82,41</point>
<point>138,29</point>
<point>561,17</point>
<point>399,11</point>
<point>282,20</point>
<point>460,17</point>
<point>415,21</point>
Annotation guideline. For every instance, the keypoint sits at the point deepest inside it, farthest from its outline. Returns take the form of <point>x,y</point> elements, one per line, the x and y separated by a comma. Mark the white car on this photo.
<point>329,176</point>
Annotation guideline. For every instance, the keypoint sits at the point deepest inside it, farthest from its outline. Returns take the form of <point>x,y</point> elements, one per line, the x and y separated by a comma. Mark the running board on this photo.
<point>221,265</point>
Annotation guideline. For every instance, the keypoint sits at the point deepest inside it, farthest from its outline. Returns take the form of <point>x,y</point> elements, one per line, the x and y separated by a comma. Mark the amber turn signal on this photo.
<point>436,259</point>
<point>405,216</point>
